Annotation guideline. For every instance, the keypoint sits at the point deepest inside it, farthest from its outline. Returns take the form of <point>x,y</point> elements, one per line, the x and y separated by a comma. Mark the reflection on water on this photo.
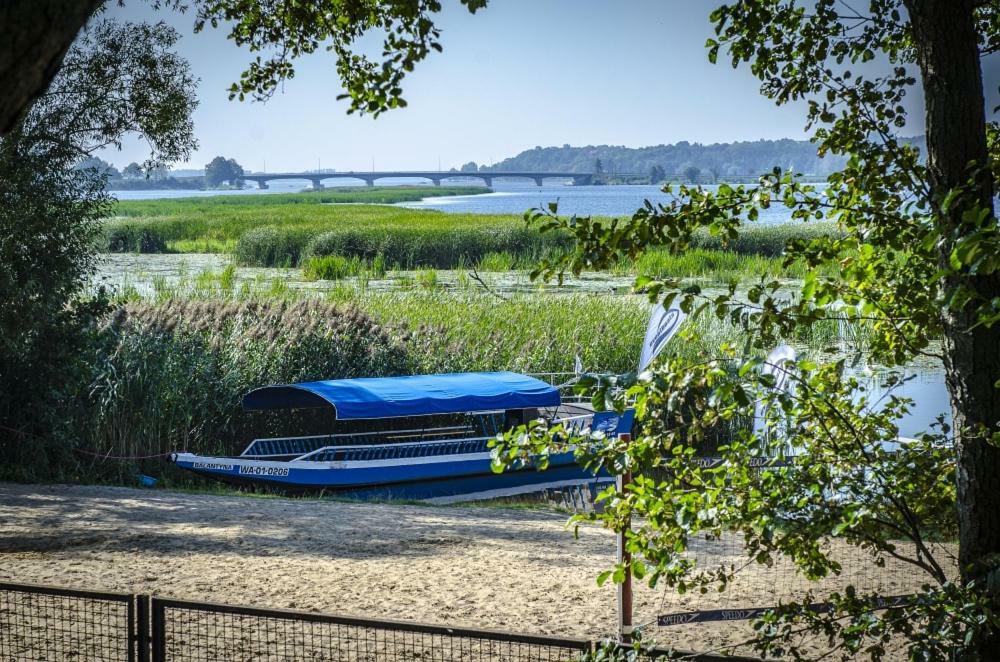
<point>517,197</point>
<point>926,387</point>
<point>145,273</point>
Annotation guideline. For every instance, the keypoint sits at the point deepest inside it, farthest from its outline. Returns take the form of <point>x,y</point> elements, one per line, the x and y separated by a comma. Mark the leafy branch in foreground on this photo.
<point>914,259</point>
<point>291,30</point>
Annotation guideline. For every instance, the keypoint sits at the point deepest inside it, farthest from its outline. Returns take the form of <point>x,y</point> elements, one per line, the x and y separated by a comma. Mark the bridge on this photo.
<point>369,178</point>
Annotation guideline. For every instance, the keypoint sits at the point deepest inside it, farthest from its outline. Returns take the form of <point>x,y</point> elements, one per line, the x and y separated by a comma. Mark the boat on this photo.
<point>413,428</point>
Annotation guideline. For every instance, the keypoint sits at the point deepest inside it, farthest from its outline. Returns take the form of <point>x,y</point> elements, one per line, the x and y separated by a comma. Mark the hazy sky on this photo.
<point>518,74</point>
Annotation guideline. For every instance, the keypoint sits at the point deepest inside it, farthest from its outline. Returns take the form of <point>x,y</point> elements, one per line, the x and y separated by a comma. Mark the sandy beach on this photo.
<point>510,569</point>
<point>484,567</point>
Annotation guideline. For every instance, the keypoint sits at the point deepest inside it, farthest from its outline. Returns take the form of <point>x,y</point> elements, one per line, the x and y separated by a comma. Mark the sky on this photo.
<point>517,74</point>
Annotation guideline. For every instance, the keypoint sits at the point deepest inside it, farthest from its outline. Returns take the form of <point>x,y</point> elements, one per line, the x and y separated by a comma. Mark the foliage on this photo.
<point>733,161</point>
<point>913,258</point>
<point>372,195</point>
<point>283,231</point>
<point>286,230</point>
<point>169,375</point>
<point>101,166</point>
<point>335,267</point>
<point>222,170</point>
<point>172,375</point>
<point>119,79</point>
<point>407,30</point>
<point>132,171</point>
<point>116,80</point>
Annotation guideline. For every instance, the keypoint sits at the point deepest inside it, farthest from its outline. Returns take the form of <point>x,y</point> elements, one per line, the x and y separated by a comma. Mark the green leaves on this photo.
<point>294,30</point>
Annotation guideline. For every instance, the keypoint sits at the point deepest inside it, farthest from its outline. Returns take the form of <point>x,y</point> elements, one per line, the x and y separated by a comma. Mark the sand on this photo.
<point>510,569</point>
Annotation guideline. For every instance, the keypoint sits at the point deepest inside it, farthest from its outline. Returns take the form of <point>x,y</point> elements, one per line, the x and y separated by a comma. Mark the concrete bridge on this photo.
<point>369,178</point>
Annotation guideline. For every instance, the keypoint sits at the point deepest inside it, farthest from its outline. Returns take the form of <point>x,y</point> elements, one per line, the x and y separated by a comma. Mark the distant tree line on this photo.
<point>220,171</point>
<point>680,161</point>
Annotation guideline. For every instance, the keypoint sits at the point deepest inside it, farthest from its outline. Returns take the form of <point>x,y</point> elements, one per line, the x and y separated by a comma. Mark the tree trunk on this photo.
<point>948,55</point>
<point>34,37</point>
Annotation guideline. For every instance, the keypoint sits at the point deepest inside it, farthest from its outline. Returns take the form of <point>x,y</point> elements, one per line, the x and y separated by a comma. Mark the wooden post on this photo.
<point>624,559</point>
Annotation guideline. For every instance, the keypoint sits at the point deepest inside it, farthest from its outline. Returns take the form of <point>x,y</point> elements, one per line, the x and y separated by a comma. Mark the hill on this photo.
<point>680,160</point>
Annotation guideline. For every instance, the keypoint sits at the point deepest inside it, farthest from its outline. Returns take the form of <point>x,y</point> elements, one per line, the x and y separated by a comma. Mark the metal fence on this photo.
<point>189,631</point>
<point>43,623</point>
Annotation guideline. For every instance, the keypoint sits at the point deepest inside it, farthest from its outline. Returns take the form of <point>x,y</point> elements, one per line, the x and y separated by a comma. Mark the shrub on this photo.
<point>270,246</point>
<point>332,267</point>
<point>133,239</point>
<point>174,373</point>
<point>497,262</point>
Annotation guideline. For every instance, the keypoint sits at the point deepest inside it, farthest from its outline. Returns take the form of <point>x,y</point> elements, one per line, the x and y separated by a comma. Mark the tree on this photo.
<point>161,172</point>
<point>100,166</point>
<point>656,174</point>
<point>598,167</point>
<point>471,166</point>
<point>117,79</point>
<point>34,37</point>
<point>221,170</point>
<point>133,171</point>
<point>914,260</point>
<point>692,173</point>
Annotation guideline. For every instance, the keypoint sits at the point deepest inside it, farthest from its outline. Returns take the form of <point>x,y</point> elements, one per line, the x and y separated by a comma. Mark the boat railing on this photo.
<point>410,449</point>
<point>285,446</point>
<point>303,447</point>
<point>575,424</point>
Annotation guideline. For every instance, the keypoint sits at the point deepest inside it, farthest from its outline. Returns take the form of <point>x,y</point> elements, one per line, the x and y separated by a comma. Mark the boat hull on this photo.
<point>312,475</point>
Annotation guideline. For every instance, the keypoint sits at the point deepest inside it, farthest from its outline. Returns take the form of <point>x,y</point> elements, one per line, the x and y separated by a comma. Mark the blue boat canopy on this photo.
<point>418,395</point>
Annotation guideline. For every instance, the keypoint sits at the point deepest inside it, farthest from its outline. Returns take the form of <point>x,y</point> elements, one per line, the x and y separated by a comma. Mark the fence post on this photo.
<point>159,644</point>
<point>130,628</point>
<point>142,627</point>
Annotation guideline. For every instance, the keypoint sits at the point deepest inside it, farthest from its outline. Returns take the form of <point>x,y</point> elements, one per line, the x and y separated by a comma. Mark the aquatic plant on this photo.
<point>282,231</point>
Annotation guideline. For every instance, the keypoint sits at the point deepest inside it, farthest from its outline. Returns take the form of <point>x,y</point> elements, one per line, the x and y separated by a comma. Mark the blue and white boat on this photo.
<point>474,408</point>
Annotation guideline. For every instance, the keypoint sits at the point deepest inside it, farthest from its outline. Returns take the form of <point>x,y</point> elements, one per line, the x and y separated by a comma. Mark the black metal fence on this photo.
<point>43,623</point>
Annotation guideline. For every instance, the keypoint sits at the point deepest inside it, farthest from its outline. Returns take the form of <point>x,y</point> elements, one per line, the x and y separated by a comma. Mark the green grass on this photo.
<point>287,230</point>
<point>711,264</point>
<point>381,195</point>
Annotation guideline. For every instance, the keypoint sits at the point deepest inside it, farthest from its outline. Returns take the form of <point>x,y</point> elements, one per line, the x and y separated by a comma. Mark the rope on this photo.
<point>106,456</point>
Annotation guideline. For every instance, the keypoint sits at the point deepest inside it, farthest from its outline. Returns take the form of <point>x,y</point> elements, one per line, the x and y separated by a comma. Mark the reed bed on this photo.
<point>168,372</point>
<point>290,230</point>
<point>171,374</point>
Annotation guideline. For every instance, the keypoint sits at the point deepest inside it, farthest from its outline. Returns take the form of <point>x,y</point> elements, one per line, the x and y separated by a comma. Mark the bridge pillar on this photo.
<point>436,182</point>
<point>369,181</point>
<point>317,184</point>
<point>488,181</point>
<point>582,180</point>
<point>261,184</point>
<point>538,180</point>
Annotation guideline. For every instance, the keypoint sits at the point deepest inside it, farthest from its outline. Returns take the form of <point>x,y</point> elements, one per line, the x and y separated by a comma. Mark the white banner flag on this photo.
<point>663,324</point>
<point>778,363</point>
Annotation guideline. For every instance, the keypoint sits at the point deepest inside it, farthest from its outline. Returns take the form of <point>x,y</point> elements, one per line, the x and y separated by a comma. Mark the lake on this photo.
<point>513,197</point>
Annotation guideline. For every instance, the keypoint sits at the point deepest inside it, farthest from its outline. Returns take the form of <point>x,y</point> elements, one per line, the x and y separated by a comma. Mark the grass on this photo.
<point>169,370</point>
<point>287,230</point>
<point>380,195</point>
<point>713,264</point>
